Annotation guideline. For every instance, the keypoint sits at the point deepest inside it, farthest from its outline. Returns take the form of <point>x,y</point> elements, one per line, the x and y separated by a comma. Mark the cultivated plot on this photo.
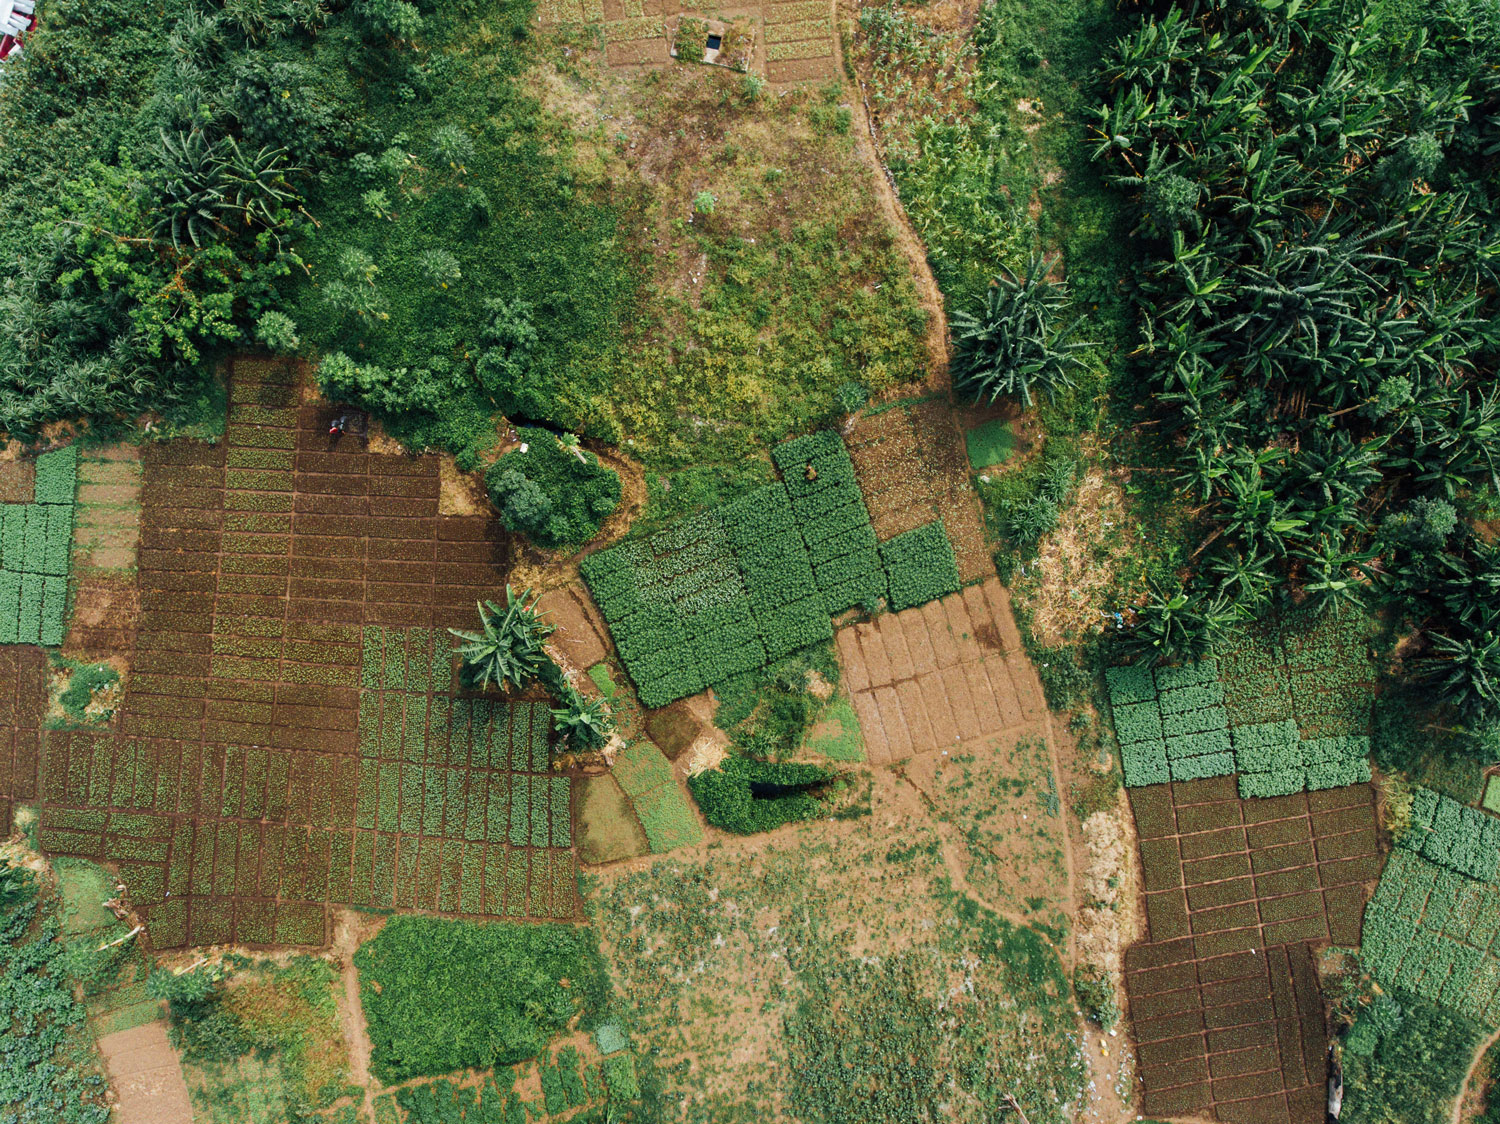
<point>293,735</point>
<point>1223,999</point>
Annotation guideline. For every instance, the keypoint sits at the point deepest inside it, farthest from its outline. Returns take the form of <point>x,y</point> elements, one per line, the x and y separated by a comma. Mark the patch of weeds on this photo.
<point>89,695</point>
<point>769,711</point>
<point>841,739</point>
<point>1023,506</point>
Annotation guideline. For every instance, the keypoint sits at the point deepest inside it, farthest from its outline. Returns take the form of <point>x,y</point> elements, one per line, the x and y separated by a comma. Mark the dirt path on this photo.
<point>1463,1098</point>
<point>906,237</point>
<point>350,931</point>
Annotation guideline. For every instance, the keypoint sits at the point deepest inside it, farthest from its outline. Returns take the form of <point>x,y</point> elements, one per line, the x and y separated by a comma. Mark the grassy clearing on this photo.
<point>1007,809</point>
<point>836,734</point>
<point>730,967</point>
<point>770,275</point>
<point>288,1056</point>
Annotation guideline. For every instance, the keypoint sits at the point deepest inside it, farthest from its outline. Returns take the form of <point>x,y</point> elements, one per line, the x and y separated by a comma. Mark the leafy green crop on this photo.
<point>49,1076</point>
<point>445,995</point>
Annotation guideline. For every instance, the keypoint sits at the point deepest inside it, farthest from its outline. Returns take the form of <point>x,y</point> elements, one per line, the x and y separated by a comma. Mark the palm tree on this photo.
<point>1466,673</point>
<point>1182,626</point>
<point>584,724</point>
<point>507,649</point>
<point>1013,344</point>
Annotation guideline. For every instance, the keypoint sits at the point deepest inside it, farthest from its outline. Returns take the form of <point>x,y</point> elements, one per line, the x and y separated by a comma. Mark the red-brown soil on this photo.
<point>941,676</point>
<point>912,469</point>
<point>1224,999</point>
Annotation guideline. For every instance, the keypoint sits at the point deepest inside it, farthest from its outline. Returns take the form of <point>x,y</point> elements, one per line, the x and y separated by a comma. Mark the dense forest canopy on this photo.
<point>279,171</point>
<point>1316,191</point>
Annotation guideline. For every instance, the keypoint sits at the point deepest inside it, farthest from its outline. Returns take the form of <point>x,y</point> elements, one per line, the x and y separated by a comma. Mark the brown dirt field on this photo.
<point>17,481</point>
<point>462,492</point>
<point>350,930</point>
<point>1076,563</point>
<point>146,1076</point>
<point>940,677</point>
<point>911,467</point>
<point>1236,893</point>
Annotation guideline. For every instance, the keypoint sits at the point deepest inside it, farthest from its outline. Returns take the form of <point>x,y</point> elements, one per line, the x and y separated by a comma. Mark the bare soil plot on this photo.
<point>106,542</point>
<point>944,676</point>
<point>146,1075</point>
<point>1223,996</point>
<point>292,736</point>
<point>911,466</point>
<point>23,700</point>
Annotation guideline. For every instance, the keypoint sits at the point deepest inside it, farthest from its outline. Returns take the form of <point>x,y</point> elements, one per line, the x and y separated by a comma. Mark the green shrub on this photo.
<point>745,796</point>
<point>83,684</point>
<point>556,494</point>
<point>445,995</point>
<point>1415,1069</point>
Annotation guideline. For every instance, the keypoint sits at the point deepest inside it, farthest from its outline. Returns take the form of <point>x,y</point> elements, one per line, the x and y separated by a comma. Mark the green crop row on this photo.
<point>728,590</point>
<point>1273,761</point>
<point>36,538</point>
<point>1145,763</point>
<point>1434,932</point>
<point>920,566</point>
<point>1453,835</point>
<point>56,476</point>
<point>1180,700</point>
<point>33,608</point>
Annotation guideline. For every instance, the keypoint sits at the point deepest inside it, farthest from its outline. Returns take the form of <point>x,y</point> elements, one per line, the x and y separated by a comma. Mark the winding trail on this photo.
<point>931,297</point>
<point>1474,1063</point>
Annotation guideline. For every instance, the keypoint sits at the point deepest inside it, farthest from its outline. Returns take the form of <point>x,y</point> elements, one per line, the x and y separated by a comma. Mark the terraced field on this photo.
<point>293,736</point>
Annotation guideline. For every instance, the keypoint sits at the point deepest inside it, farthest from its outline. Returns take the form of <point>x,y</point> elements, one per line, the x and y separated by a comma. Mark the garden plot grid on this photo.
<point>289,738</point>
<point>1436,932</point>
<point>794,41</point>
<point>911,467</point>
<point>1223,999</point>
<point>948,674</point>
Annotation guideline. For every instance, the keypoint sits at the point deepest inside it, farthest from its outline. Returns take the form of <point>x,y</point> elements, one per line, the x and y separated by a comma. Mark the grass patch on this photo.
<point>991,443</point>
<point>836,735</point>
<point>755,313</point>
<point>445,995</point>
<point>700,965</point>
<point>282,1055</point>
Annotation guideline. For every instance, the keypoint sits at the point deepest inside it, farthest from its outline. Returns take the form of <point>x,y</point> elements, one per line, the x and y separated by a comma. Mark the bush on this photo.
<point>1413,1071</point>
<point>554,493</point>
<point>445,995</point>
<point>745,796</point>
